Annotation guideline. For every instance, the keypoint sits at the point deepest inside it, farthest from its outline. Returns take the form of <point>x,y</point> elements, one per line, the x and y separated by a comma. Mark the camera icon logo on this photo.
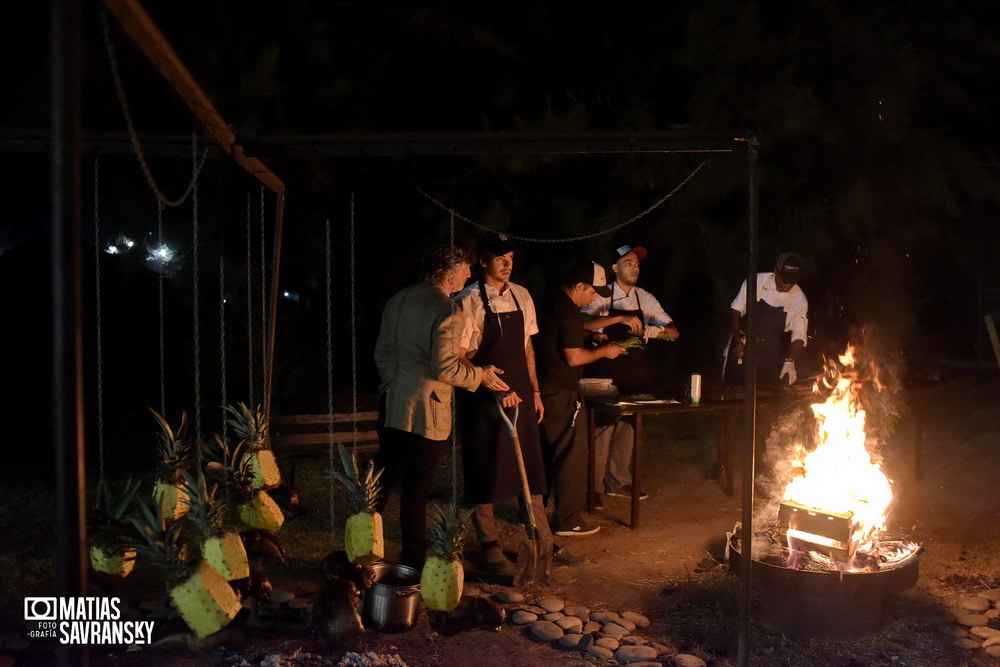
<point>40,609</point>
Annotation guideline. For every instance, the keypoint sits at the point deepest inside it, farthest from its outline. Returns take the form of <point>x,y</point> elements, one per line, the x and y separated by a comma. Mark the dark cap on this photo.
<point>589,273</point>
<point>788,267</point>
<point>639,251</point>
<point>494,244</point>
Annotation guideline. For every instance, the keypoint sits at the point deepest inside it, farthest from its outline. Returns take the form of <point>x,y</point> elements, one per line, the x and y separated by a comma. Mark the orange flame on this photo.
<point>839,475</point>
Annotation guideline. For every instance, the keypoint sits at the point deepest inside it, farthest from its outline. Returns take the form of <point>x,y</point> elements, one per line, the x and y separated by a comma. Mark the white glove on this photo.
<point>788,368</point>
<point>652,331</point>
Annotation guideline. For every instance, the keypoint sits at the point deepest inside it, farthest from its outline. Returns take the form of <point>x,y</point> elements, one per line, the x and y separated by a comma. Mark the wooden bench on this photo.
<point>349,427</point>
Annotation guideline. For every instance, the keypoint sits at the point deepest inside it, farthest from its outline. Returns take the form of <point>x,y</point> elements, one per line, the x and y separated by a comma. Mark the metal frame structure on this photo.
<point>66,143</point>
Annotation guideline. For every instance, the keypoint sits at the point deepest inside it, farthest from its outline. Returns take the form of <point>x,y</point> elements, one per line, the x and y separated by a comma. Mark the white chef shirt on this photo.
<point>636,299</point>
<point>793,302</point>
<point>473,307</point>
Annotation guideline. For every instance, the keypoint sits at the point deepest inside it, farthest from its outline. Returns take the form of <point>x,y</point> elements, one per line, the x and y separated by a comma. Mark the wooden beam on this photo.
<point>137,23</point>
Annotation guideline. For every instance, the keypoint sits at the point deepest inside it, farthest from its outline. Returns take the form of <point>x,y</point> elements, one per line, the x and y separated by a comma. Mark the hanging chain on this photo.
<point>194,293</point>
<point>329,377</point>
<point>222,342</point>
<point>133,136</point>
<point>99,326</point>
<point>250,349</point>
<point>583,237</point>
<point>265,367</point>
<point>354,334</point>
<point>159,285</point>
<point>454,407</point>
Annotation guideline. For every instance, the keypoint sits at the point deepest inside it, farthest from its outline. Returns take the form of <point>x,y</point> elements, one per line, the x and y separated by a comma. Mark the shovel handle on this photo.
<point>519,458</point>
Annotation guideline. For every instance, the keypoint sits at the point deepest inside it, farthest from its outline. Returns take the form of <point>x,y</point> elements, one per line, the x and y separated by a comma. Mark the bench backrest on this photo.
<point>347,428</point>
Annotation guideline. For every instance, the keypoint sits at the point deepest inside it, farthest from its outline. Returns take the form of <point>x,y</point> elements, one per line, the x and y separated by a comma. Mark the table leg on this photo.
<point>636,477</point>
<point>591,481</point>
<point>724,451</point>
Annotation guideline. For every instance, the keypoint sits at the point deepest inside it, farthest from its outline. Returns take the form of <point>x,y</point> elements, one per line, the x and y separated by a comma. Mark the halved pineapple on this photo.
<point>175,458</point>
<point>227,554</point>
<point>112,560</point>
<point>205,600</point>
<point>443,577</point>
<point>261,512</point>
<point>363,539</point>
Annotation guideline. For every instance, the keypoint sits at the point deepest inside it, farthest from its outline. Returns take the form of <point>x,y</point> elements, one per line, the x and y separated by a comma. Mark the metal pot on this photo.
<point>393,603</point>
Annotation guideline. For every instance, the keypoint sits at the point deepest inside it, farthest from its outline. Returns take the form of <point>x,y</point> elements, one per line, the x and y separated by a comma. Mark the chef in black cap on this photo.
<point>782,320</point>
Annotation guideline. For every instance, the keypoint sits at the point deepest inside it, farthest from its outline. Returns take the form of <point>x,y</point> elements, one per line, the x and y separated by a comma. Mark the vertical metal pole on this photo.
<point>279,223</point>
<point>750,411</point>
<point>67,310</point>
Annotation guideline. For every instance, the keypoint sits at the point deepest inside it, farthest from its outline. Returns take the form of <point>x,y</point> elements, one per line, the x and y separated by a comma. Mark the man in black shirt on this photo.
<point>561,356</point>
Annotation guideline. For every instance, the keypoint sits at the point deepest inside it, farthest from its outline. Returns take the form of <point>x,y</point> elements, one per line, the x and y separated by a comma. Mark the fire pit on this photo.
<point>823,565</point>
<point>824,604</point>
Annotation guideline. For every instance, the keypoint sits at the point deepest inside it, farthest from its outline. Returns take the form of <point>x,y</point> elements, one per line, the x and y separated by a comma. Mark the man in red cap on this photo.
<point>628,310</point>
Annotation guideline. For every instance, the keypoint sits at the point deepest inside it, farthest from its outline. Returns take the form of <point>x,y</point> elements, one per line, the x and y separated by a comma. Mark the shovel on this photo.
<point>534,556</point>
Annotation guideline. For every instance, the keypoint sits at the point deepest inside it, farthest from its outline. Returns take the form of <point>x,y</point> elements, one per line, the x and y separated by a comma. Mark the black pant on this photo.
<point>564,446</point>
<point>409,461</point>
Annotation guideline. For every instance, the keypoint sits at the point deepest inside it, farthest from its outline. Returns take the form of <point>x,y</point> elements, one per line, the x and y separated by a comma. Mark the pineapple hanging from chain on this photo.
<point>209,518</point>
<point>363,539</point>
<point>251,427</point>
<point>175,458</point>
<point>443,577</point>
<point>255,508</point>
<point>108,526</point>
<point>205,600</point>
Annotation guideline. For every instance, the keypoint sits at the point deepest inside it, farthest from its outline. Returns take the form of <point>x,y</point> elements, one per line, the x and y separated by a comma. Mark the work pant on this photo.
<point>486,524</point>
<point>564,448</point>
<point>613,455</point>
<point>409,461</point>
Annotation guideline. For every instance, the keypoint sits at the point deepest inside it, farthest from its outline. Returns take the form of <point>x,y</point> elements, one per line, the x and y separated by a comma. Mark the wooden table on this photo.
<point>637,412</point>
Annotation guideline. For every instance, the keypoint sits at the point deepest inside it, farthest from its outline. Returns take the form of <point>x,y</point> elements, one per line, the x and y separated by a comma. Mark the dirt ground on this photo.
<point>943,460</point>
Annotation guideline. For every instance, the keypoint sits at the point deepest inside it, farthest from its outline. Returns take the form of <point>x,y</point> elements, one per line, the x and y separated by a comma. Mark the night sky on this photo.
<point>877,126</point>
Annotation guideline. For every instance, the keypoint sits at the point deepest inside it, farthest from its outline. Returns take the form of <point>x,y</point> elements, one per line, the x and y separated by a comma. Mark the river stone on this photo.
<point>953,630</point>
<point>984,632</point>
<point>553,616</point>
<point>522,617</point>
<point>609,643</point>
<point>661,649</point>
<point>969,620</point>
<point>298,603</point>
<point>992,641</point>
<point>968,644</point>
<point>625,623</point>
<point>614,630</point>
<point>975,603</point>
<point>535,609</point>
<point>547,631</point>
<point>639,620</point>
<point>551,604</point>
<point>586,641</point>
<point>992,613</point>
<point>993,652</point>
<point>571,640</point>
<point>628,654</point>
<point>688,660</point>
<point>993,595</point>
<point>632,640</point>
<point>604,616</point>
<point>581,613</point>
<point>509,597</point>
<point>591,626</point>
<point>573,624</point>
<point>600,652</point>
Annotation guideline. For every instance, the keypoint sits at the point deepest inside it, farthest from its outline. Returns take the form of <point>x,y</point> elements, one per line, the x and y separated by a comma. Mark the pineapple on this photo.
<point>363,539</point>
<point>209,517</point>
<point>443,578</point>
<point>255,509</point>
<point>109,551</point>
<point>251,427</point>
<point>201,595</point>
<point>175,457</point>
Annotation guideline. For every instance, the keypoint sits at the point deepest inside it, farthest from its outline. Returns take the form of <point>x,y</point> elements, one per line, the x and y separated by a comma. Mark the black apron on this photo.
<point>770,337</point>
<point>633,373</point>
<point>489,465</point>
